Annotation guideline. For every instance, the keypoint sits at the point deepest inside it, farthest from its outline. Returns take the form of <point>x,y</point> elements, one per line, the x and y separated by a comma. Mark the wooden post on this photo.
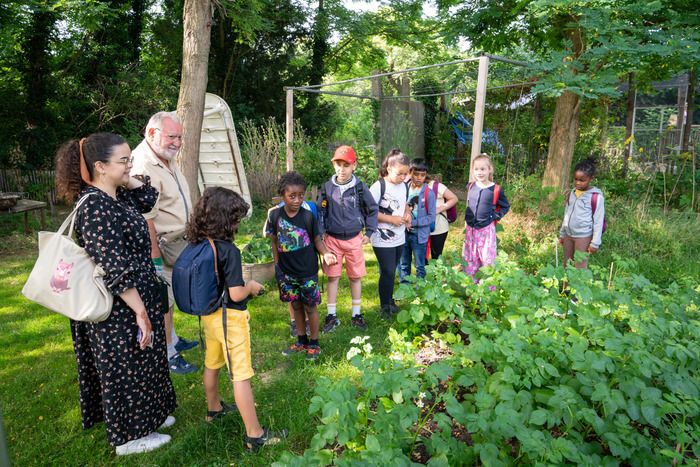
<point>377,112</point>
<point>629,123</point>
<point>478,127</point>
<point>290,129</point>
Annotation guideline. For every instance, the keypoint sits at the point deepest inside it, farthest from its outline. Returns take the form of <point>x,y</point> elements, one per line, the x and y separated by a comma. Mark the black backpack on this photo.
<point>359,188</point>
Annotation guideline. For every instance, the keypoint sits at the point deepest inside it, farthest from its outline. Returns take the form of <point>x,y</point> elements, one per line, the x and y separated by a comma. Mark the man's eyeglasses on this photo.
<point>171,137</point>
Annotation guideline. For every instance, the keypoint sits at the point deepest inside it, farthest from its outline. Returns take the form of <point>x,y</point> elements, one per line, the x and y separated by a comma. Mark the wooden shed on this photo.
<point>220,162</point>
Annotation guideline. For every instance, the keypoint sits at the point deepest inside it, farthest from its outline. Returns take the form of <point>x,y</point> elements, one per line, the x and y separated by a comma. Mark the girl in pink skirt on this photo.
<point>486,205</point>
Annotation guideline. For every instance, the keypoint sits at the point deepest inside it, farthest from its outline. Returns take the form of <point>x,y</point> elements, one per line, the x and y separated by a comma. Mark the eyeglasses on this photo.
<point>123,161</point>
<point>171,137</point>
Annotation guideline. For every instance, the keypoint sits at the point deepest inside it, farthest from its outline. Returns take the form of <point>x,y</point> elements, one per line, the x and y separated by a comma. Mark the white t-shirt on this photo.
<point>393,204</point>
<point>441,224</point>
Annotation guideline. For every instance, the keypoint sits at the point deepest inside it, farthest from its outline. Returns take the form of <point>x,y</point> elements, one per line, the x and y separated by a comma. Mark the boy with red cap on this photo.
<point>347,218</point>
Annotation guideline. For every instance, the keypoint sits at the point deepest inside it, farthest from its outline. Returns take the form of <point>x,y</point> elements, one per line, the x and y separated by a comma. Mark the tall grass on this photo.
<point>263,156</point>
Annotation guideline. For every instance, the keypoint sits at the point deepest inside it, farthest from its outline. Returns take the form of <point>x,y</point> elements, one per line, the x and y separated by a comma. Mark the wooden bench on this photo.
<point>24,206</point>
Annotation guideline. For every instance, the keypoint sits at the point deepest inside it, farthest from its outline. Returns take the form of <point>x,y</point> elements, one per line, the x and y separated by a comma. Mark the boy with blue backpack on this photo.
<point>208,282</point>
<point>422,200</point>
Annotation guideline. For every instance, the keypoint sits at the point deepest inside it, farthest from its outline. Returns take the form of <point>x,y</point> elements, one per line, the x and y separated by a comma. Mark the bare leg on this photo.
<point>568,245</point>
<point>211,389</point>
<point>581,244</point>
<point>169,326</point>
<point>243,394</point>
<point>291,312</point>
<point>355,288</point>
<point>332,296</point>
<point>312,314</point>
<point>299,318</point>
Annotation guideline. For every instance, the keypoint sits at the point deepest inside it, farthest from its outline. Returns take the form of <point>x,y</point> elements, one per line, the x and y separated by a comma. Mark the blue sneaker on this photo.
<point>183,344</point>
<point>179,365</point>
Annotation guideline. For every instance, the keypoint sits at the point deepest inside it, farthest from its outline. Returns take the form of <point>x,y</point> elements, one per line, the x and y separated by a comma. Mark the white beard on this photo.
<point>164,153</point>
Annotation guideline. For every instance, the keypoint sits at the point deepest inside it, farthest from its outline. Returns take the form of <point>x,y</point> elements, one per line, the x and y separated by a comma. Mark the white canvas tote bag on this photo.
<point>65,279</point>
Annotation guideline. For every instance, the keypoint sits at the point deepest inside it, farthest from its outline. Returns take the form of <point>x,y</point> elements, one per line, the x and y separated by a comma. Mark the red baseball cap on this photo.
<point>345,153</point>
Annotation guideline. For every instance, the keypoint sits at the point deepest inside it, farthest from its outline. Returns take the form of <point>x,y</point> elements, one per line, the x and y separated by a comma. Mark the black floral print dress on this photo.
<point>128,388</point>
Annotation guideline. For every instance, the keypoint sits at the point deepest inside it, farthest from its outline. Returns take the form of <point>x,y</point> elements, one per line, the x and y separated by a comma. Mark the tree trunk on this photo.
<point>689,112</point>
<point>135,28</point>
<point>562,140</point>
<point>629,124</point>
<point>313,113</point>
<point>197,15</point>
<point>36,71</point>
<point>604,125</point>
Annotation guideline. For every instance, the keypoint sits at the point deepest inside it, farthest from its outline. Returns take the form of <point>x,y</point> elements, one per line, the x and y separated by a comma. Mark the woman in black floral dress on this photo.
<point>122,365</point>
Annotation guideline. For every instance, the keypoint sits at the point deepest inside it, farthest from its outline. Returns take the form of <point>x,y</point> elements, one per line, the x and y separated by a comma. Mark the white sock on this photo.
<point>173,337</point>
<point>356,307</point>
<point>331,308</point>
<point>171,351</point>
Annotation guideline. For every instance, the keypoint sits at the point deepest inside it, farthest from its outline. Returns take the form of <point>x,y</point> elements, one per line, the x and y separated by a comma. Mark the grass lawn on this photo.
<point>39,388</point>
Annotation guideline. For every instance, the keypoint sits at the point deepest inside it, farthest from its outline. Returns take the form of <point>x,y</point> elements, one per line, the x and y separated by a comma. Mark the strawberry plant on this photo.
<point>557,367</point>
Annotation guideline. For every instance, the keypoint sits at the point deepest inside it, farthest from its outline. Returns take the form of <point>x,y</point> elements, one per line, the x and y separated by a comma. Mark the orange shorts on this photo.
<point>354,256</point>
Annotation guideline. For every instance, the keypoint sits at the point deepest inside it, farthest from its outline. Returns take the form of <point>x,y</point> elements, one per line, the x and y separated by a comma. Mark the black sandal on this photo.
<point>226,409</point>
<point>268,438</point>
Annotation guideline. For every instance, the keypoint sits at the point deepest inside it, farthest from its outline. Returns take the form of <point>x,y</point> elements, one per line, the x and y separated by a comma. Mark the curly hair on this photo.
<point>97,147</point>
<point>288,179</point>
<point>394,157</point>
<point>587,166</point>
<point>216,215</point>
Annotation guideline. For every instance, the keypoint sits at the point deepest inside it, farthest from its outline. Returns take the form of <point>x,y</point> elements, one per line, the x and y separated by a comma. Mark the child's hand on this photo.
<point>365,240</point>
<point>397,221</point>
<point>255,287</point>
<point>407,218</point>
<point>330,258</point>
<point>592,249</point>
<point>561,240</point>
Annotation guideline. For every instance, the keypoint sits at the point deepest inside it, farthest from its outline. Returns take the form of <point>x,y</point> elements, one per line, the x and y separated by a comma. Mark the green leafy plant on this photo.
<point>257,251</point>
<point>560,366</point>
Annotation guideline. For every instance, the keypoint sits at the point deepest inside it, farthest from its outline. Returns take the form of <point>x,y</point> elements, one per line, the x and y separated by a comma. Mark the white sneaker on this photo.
<point>170,421</point>
<point>144,444</point>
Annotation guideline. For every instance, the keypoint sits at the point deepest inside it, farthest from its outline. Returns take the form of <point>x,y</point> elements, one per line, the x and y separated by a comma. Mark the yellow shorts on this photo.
<point>238,336</point>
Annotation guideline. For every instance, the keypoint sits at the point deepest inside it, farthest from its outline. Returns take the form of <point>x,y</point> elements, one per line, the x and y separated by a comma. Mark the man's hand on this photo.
<point>365,240</point>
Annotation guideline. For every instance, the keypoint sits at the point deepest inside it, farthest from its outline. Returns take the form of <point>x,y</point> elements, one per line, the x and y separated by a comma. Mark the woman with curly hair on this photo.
<point>216,217</point>
<point>122,363</point>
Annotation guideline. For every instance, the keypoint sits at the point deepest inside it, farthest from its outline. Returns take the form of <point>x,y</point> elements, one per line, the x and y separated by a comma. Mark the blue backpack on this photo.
<point>196,280</point>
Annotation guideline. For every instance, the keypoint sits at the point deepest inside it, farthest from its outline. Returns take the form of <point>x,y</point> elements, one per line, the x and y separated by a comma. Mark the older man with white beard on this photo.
<point>155,157</point>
